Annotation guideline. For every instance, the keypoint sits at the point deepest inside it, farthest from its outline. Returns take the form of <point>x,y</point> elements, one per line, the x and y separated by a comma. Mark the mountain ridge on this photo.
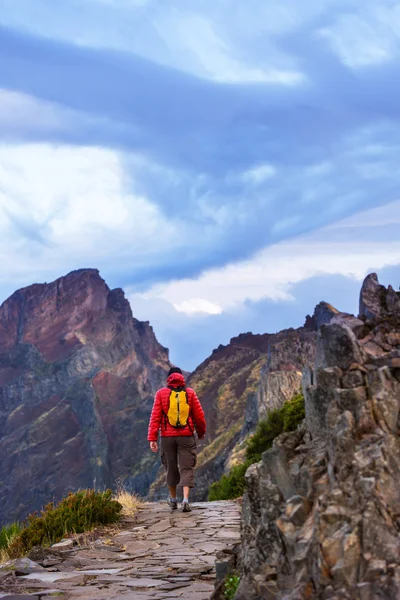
<point>75,361</point>
<point>239,383</point>
<point>77,378</point>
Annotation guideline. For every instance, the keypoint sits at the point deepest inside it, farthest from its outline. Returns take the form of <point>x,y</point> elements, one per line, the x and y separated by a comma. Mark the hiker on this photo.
<point>178,413</point>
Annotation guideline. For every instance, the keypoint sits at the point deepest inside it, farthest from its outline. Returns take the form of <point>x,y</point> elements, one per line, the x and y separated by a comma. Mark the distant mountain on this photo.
<point>239,383</point>
<point>77,378</point>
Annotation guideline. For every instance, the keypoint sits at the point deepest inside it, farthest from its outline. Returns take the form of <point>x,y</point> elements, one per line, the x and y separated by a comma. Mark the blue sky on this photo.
<point>228,164</point>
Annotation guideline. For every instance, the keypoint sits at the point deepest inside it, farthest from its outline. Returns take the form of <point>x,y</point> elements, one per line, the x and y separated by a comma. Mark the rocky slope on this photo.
<point>77,379</point>
<point>239,383</point>
<point>321,511</point>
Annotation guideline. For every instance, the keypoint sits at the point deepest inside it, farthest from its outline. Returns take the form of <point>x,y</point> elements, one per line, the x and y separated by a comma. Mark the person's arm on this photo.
<point>198,416</point>
<point>155,422</point>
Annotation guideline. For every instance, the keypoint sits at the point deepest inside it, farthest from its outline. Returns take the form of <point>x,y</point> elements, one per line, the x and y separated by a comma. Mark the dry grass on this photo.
<point>130,503</point>
<point>4,557</point>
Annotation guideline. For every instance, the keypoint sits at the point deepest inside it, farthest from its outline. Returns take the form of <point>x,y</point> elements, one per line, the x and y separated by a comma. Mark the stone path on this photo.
<point>162,555</point>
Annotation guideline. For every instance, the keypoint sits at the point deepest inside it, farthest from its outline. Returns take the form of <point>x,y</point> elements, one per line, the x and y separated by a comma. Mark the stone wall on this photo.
<point>321,511</point>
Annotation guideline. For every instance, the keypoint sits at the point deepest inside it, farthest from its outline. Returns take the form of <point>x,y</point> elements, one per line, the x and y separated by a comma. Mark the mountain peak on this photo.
<point>323,313</point>
<point>77,375</point>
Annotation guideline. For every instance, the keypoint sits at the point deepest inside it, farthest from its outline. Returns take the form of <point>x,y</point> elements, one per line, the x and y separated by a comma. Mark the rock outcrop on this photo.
<point>77,379</point>
<point>321,511</point>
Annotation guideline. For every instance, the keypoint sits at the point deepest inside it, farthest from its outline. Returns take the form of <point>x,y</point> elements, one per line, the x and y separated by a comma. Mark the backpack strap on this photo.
<point>182,388</point>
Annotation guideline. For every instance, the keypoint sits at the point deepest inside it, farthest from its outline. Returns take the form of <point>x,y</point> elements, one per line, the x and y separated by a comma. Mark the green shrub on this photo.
<point>280,420</point>
<point>8,533</point>
<point>293,413</point>
<point>231,586</point>
<point>77,513</point>
<point>267,430</point>
<point>230,486</point>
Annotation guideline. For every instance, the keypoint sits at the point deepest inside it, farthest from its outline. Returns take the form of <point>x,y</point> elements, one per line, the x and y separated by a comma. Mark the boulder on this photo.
<point>337,346</point>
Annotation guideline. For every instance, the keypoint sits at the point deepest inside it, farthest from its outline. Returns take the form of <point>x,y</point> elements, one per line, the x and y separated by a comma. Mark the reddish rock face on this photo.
<point>77,378</point>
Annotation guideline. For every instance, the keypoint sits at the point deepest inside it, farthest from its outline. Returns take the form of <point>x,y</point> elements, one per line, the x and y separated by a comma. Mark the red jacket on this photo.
<point>160,409</point>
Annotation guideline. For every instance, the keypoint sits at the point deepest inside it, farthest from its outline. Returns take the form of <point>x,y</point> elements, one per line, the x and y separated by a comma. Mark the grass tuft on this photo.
<point>231,586</point>
<point>4,556</point>
<point>77,513</point>
<point>8,533</point>
<point>130,502</point>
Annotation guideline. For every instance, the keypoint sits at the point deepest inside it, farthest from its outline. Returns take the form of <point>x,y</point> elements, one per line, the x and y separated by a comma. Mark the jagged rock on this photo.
<point>385,392</point>
<point>323,313</point>
<point>275,388</point>
<point>77,375</point>
<point>297,510</point>
<point>371,298</point>
<point>375,300</point>
<point>317,397</point>
<point>275,462</point>
<point>357,326</point>
<point>393,339</point>
<point>339,535</point>
<point>354,378</point>
<point>338,347</point>
<point>392,300</point>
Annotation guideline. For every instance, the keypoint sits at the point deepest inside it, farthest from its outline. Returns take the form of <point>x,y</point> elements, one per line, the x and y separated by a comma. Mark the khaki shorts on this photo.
<point>179,457</point>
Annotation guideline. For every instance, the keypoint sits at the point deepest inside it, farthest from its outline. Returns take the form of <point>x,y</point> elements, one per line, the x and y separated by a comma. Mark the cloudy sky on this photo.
<point>228,163</point>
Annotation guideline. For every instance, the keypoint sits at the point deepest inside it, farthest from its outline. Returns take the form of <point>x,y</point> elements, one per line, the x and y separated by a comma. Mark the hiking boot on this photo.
<point>186,506</point>
<point>172,503</point>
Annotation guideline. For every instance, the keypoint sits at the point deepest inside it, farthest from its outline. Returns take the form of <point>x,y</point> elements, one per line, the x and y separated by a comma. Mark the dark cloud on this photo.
<point>197,138</point>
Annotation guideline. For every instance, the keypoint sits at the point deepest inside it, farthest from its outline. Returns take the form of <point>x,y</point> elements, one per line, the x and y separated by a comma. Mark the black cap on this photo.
<point>174,370</point>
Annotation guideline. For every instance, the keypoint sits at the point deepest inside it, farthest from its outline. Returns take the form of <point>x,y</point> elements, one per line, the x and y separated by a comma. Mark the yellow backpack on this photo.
<point>179,409</point>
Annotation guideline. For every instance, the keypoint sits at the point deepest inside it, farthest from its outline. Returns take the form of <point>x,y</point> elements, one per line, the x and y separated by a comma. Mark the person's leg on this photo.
<point>169,458</point>
<point>172,491</point>
<point>187,458</point>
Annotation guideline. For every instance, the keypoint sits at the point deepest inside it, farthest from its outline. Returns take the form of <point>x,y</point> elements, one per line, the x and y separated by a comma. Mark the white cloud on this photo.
<point>198,305</point>
<point>26,113</point>
<point>259,174</point>
<point>64,207</point>
<point>365,36</point>
<point>272,273</point>
<point>371,219</point>
<point>195,37</point>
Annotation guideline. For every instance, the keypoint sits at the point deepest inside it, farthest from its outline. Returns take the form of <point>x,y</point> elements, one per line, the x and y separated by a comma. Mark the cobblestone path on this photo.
<point>163,554</point>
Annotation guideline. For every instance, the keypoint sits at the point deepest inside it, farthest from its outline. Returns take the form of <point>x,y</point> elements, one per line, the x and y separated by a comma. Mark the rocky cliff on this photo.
<point>77,379</point>
<point>238,384</point>
<point>321,511</point>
